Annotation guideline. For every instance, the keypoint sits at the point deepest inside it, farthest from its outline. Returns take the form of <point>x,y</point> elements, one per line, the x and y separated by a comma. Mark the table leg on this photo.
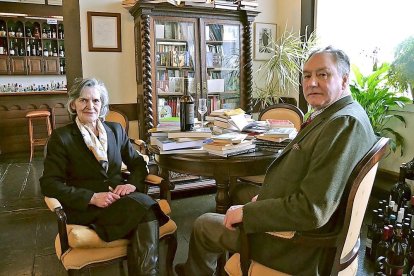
<point>222,195</point>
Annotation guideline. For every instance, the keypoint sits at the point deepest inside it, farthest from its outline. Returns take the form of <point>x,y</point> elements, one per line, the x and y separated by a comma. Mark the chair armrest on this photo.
<point>55,206</point>
<point>153,180</point>
<point>140,144</point>
<point>52,203</point>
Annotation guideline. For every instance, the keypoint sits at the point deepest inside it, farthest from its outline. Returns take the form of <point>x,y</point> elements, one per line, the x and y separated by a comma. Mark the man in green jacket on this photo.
<point>303,186</point>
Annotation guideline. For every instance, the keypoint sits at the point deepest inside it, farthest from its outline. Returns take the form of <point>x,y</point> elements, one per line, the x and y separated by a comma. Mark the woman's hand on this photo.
<point>124,189</point>
<point>104,199</point>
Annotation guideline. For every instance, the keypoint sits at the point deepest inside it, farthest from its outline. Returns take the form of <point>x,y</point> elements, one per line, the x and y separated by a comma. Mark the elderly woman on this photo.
<point>82,170</point>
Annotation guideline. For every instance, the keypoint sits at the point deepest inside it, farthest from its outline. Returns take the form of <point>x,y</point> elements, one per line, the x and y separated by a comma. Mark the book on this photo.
<point>281,132</point>
<point>232,137</point>
<point>270,138</point>
<point>232,152</point>
<point>226,112</point>
<point>184,151</point>
<point>197,133</point>
<point>225,147</point>
<point>244,124</point>
<point>275,123</point>
<point>171,144</point>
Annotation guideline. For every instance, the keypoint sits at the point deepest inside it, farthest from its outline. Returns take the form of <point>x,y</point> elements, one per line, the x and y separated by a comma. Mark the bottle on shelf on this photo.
<point>11,51</point>
<point>11,32</point>
<point>45,51</point>
<point>29,32</point>
<point>54,33</point>
<point>36,32</point>
<point>1,47</point>
<point>44,33</point>
<point>3,32</point>
<point>34,50</point>
<point>19,32</point>
<point>61,51</point>
<point>60,32</point>
<point>28,49</point>
<point>186,108</point>
<point>54,52</point>
<point>395,261</point>
<point>39,49</point>
<point>62,67</point>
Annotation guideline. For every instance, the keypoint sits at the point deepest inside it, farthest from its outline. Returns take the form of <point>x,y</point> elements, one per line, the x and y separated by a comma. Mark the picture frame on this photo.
<point>264,36</point>
<point>104,32</point>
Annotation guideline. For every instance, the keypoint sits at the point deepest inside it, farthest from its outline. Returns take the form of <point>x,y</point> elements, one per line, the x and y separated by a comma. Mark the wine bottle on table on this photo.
<point>186,108</point>
<point>384,244</point>
<point>370,233</point>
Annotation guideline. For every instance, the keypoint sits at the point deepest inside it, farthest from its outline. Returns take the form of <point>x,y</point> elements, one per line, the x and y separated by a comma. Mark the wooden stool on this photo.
<point>34,115</point>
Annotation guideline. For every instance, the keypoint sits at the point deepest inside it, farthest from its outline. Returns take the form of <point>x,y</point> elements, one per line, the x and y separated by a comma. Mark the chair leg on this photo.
<point>168,244</point>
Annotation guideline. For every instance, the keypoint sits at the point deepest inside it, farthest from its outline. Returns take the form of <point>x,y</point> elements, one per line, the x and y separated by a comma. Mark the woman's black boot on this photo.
<point>143,250</point>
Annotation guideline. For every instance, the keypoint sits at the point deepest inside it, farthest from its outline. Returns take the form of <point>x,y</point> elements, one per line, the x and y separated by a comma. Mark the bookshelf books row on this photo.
<point>174,30</point>
<point>174,59</point>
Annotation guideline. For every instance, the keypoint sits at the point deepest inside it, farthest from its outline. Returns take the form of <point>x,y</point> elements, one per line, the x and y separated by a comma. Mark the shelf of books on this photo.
<point>174,54</point>
<point>222,61</point>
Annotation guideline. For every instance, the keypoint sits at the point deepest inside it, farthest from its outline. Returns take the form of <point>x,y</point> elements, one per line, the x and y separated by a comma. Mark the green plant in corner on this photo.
<point>374,92</point>
<point>402,68</point>
<point>281,72</point>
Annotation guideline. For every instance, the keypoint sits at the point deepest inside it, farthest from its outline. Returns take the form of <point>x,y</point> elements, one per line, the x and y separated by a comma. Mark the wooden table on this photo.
<point>221,169</point>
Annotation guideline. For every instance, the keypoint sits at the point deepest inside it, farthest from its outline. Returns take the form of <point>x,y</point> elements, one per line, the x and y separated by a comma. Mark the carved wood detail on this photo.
<point>146,72</point>
<point>248,67</point>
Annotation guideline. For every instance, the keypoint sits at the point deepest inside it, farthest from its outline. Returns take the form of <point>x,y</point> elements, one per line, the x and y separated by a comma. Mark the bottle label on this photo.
<point>190,114</point>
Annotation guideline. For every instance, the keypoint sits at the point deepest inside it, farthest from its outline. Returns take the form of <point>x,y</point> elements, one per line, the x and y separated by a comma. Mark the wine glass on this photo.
<point>202,109</point>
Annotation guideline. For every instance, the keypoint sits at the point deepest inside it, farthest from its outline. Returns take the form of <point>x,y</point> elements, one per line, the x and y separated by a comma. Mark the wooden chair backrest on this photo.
<point>118,117</point>
<point>283,111</point>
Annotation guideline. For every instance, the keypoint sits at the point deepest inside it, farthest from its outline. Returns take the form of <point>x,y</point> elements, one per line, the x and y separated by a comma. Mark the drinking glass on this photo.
<point>202,109</point>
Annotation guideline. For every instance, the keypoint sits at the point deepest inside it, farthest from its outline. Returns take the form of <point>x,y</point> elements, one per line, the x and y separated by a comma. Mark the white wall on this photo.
<point>115,69</point>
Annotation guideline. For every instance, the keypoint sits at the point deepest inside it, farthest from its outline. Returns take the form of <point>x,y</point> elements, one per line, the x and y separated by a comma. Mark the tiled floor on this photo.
<point>28,229</point>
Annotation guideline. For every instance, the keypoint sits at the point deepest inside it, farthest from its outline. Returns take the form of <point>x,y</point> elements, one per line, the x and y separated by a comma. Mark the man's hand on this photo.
<point>124,189</point>
<point>254,198</point>
<point>233,216</point>
<point>103,199</point>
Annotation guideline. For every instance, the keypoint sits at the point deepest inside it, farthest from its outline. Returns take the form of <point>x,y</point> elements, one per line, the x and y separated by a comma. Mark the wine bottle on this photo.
<point>28,50</point>
<point>370,233</point>
<point>395,258</point>
<point>383,245</point>
<point>376,237</point>
<point>401,192</point>
<point>186,109</point>
<point>11,51</point>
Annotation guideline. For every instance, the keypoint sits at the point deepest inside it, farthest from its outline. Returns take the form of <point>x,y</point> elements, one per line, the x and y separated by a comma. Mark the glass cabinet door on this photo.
<point>222,65</point>
<point>175,52</point>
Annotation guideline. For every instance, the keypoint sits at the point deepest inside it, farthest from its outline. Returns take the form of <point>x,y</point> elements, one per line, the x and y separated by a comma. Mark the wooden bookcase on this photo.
<point>213,47</point>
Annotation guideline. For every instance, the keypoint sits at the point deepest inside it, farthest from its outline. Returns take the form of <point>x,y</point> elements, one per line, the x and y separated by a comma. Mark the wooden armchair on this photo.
<point>343,240</point>
<point>281,111</point>
<point>79,246</point>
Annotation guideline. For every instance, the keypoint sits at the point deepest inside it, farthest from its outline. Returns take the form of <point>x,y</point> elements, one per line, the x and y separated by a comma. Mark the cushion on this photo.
<point>233,268</point>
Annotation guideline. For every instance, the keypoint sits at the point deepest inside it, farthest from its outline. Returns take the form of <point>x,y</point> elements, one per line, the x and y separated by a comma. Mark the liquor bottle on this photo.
<point>376,237</point>
<point>39,49</point>
<point>53,33</point>
<point>60,32</point>
<point>383,245</point>
<point>34,51</point>
<point>36,32</point>
<point>54,53</point>
<point>395,258</point>
<point>401,192</point>
<point>62,67</point>
<point>28,32</point>
<point>61,51</point>
<point>370,233</point>
<point>28,50</point>
<point>11,32</point>
<point>11,51</point>
<point>1,47</point>
<point>186,109</point>
<point>45,52</point>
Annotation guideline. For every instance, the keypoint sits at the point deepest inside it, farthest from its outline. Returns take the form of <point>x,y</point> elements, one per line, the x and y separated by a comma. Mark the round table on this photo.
<point>221,169</point>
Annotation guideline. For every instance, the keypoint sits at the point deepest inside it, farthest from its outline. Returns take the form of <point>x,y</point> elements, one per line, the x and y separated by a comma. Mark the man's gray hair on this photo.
<point>342,59</point>
<point>76,90</point>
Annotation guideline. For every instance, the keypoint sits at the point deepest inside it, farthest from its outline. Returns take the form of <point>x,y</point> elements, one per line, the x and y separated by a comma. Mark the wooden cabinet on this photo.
<point>210,46</point>
<point>31,46</point>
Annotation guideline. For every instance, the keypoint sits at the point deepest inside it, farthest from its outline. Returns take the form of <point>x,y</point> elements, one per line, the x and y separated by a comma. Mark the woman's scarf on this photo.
<point>97,146</point>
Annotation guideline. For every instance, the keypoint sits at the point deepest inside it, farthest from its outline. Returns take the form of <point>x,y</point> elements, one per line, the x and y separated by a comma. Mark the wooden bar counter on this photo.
<point>13,123</point>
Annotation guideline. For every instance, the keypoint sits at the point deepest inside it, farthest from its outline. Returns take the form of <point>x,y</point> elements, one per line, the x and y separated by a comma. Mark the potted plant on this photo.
<point>280,74</point>
<point>374,92</point>
<point>402,68</point>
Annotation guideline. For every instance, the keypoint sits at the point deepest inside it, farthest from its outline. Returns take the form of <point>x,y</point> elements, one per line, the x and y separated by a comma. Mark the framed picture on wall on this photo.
<point>104,32</point>
<point>264,36</point>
